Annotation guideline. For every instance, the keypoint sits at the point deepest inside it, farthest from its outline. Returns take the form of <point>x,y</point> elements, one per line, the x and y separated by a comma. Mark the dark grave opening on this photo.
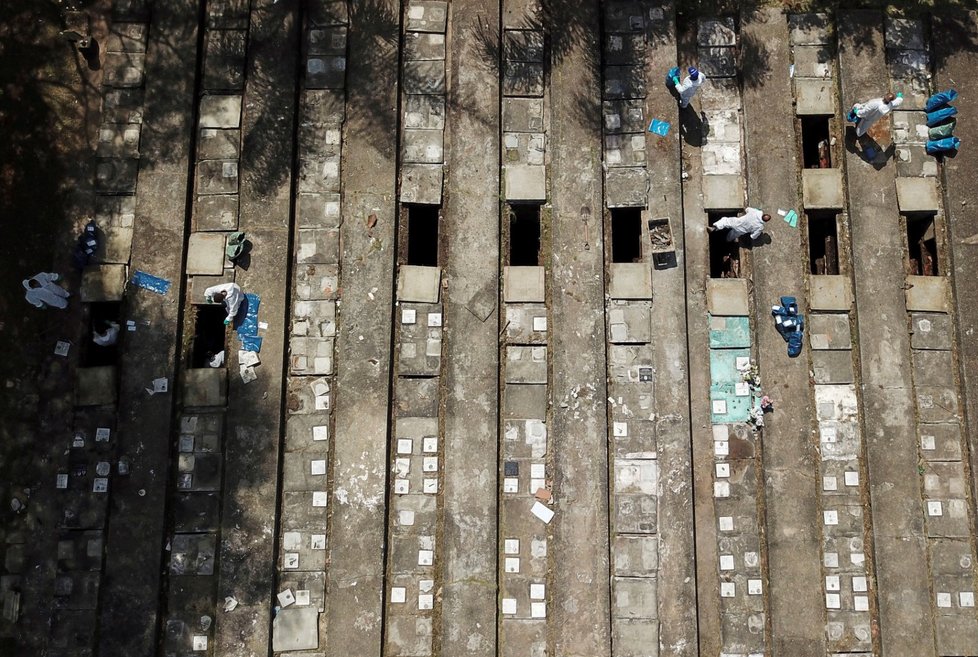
<point>626,235</point>
<point>422,235</point>
<point>823,242</point>
<point>922,245</point>
<point>816,142</point>
<point>524,235</point>
<point>724,254</point>
<point>101,316</point>
<point>210,334</point>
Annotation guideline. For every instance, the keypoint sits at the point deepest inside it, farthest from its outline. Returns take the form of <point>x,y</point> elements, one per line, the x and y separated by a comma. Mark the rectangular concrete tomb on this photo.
<point>524,285</point>
<point>822,188</point>
<point>418,284</point>
<point>917,194</point>
<point>727,296</point>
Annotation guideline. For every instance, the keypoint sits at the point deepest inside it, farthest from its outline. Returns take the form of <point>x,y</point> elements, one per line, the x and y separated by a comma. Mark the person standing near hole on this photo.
<point>689,86</point>
<point>751,222</point>
<point>865,115</point>
<point>229,294</point>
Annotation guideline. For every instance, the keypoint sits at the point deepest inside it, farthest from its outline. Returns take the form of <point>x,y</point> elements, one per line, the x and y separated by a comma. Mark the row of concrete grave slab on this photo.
<point>93,456</point>
<point>300,593</point>
<point>628,29</point>
<point>199,461</point>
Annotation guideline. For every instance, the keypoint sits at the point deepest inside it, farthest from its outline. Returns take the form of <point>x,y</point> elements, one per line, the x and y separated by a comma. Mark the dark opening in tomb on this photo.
<point>210,334</point>
<point>823,242</point>
<point>105,325</point>
<point>524,235</point>
<point>724,254</point>
<point>626,235</point>
<point>816,146</point>
<point>922,245</point>
<point>422,235</point>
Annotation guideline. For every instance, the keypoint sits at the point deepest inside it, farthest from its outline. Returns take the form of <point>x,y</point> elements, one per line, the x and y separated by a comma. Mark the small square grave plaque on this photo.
<point>721,489</point>
<point>398,594</point>
<point>944,600</point>
<point>860,602</point>
<point>727,589</point>
<point>318,467</point>
<point>832,583</point>
<point>200,643</point>
<point>426,557</point>
<point>426,601</point>
<point>754,587</point>
<point>833,601</point>
<point>511,546</point>
<point>286,598</point>
<point>291,560</point>
<point>405,517</point>
<point>538,591</point>
<point>509,606</point>
<point>430,486</point>
<point>320,432</point>
<point>726,523</point>
<point>101,485</point>
<point>966,598</point>
<point>726,562</point>
<point>409,316</point>
<point>434,319</point>
<point>302,598</point>
<point>511,485</point>
<point>430,464</point>
<point>852,478</point>
<point>831,559</point>
<point>830,483</point>
<point>102,434</point>
<point>404,445</point>
<point>721,448</point>
<point>538,610</point>
<point>401,486</point>
<point>935,508</point>
<point>320,498</point>
<point>317,542</point>
<point>859,584</point>
<point>540,324</point>
<point>830,517</point>
<point>723,470</point>
<point>430,445</point>
<point>512,564</point>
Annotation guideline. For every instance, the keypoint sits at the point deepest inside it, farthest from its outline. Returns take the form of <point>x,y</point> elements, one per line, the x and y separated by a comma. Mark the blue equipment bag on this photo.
<point>937,116</point>
<point>940,99</point>
<point>946,145</point>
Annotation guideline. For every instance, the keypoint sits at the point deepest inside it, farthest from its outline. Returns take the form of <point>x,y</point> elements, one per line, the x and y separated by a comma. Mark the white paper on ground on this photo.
<point>542,512</point>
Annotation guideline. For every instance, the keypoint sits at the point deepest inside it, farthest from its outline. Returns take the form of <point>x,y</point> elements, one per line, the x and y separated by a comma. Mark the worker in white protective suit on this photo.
<point>44,293</point>
<point>689,86</point>
<point>229,294</point>
<point>750,223</point>
<point>865,115</point>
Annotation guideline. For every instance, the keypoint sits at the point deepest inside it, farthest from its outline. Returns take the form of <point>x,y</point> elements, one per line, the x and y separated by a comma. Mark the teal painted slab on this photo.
<point>729,332</point>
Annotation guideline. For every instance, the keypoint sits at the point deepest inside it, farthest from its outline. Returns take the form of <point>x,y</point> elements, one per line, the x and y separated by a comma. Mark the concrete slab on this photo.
<point>630,323</point>
<point>123,69</point>
<point>522,115</point>
<point>930,331</point>
<point>215,144</point>
<point>813,62</point>
<point>718,62</point>
<point>116,175</point>
<point>932,368</point>
<point>829,331</point>
<point>115,211</point>
<point>418,284</point>
<point>810,29</point>
<point>424,77</point>
<point>216,212</point>
<point>329,12</point>
<point>635,637</point>
<point>624,49</point>
<point>912,161</point>
<point>525,401</point>
<point>324,108</point>
<point>937,404</point>
<point>917,194</point>
<point>636,556</point>
<point>720,94</point>
<point>422,146</point>
<point>730,332</point>
<point>717,32</point>
<point>422,183</point>
<point>317,245</point>
<point>523,46</point>
<point>623,115</point>
<point>526,324</point>
<point>624,82</point>
<point>523,79</point>
<point>95,386</point>
<point>524,148</point>
<point>122,105</point>
<point>319,210</point>
<point>115,246</point>
<point>314,319</point>
<point>526,364</point>
<point>311,356</point>
<point>224,59</point>
<point>217,177</point>
<point>424,112</point>
<point>220,111</point>
<point>427,16</point>
<point>940,442</point>
<point>723,192</point>
<point>623,17</point>
<point>830,293</point>
<point>420,46</point>
<point>927,294</point>
<point>630,280</point>
<point>205,253</point>
<point>295,628</point>
<point>904,33</point>
<point>526,183</point>
<point>822,188</point>
<point>624,150</point>
<point>326,40</point>
<point>814,96</point>
<point>524,285</point>
<point>127,37</point>
<point>200,283</point>
<point>118,140</point>
<point>634,597</point>
<point>832,367</point>
<point>205,386</point>
<point>722,158</point>
<point>103,283</point>
<point>727,296</point>
<point>326,72</point>
<point>626,187</point>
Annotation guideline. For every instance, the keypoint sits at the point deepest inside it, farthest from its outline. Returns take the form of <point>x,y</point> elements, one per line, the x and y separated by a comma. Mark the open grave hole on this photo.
<point>626,235</point>
<point>100,316</point>
<point>524,235</point>
<point>210,334</point>
<point>922,257</point>
<point>823,242</point>
<point>422,234</point>
<point>724,255</point>
<point>816,144</point>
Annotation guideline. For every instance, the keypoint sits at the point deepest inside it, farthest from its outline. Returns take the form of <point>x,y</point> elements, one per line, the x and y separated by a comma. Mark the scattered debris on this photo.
<point>542,512</point>
<point>230,603</point>
<point>159,385</point>
<point>61,348</point>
